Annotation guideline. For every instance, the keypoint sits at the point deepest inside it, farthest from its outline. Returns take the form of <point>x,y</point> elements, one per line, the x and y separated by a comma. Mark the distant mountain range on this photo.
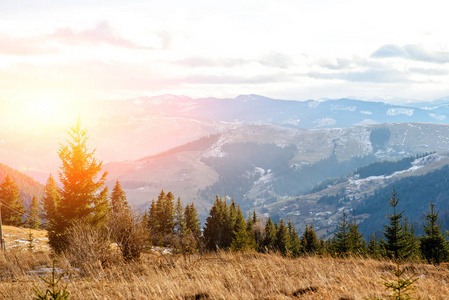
<point>274,169</point>
<point>271,155</point>
<point>254,109</point>
<point>136,128</point>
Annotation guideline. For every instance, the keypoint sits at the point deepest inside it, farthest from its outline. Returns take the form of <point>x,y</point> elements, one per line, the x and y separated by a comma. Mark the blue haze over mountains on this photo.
<point>309,114</point>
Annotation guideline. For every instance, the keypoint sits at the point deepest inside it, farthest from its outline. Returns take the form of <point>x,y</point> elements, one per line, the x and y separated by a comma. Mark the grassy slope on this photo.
<point>218,276</point>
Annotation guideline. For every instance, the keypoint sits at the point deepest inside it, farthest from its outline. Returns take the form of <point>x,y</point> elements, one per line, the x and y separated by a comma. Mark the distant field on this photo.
<point>220,275</point>
<point>19,238</point>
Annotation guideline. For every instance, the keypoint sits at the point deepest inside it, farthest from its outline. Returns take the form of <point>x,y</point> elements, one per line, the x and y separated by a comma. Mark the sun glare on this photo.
<point>43,113</point>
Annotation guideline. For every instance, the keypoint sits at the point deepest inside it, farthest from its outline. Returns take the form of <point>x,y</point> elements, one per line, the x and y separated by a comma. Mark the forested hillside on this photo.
<point>264,171</point>
<point>415,194</point>
<point>28,187</point>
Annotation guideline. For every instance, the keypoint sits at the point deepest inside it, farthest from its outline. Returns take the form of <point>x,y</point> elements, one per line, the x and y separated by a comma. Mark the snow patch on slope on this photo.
<point>325,122</point>
<point>438,117</point>
<point>400,111</point>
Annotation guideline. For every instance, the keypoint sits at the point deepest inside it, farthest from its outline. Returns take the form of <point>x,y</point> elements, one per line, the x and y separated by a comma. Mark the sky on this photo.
<point>394,51</point>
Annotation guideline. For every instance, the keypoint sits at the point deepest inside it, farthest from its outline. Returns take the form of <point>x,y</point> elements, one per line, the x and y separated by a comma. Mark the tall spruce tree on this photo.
<point>12,206</point>
<point>373,248</point>
<point>309,241</point>
<point>433,244</point>
<point>411,241</point>
<point>270,236</point>
<point>282,239</point>
<point>396,237</point>
<point>295,243</point>
<point>33,219</point>
<point>216,233</point>
<point>242,239</point>
<point>180,224</point>
<point>118,199</point>
<point>161,222</point>
<point>152,223</point>
<point>167,214</point>
<point>83,192</point>
<point>342,243</point>
<point>358,244</point>
<point>50,201</point>
<point>192,221</point>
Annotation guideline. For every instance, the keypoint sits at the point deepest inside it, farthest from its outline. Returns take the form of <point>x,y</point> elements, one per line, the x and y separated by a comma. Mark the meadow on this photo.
<point>218,275</point>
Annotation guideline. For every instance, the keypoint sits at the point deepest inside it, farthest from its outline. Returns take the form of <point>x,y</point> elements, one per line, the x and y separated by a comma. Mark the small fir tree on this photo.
<point>12,206</point>
<point>192,221</point>
<point>180,224</point>
<point>33,219</point>
<point>395,237</point>
<point>295,243</point>
<point>373,247</point>
<point>50,201</point>
<point>433,244</point>
<point>356,240</point>
<point>342,243</point>
<point>270,235</point>
<point>216,230</point>
<point>243,239</point>
<point>283,239</point>
<point>309,241</point>
<point>118,199</point>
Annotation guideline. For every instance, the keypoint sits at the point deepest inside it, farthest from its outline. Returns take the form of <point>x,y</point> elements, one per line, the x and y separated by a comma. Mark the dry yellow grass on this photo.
<point>220,275</point>
<point>16,237</point>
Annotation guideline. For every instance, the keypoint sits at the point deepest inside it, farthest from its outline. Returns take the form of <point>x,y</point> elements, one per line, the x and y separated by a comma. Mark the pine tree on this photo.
<point>33,219</point>
<point>433,244</point>
<point>295,243</point>
<point>192,221</point>
<point>230,223</point>
<point>50,201</point>
<point>83,195</point>
<point>356,240</point>
<point>283,239</point>
<point>395,237</point>
<point>242,239</point>
<point>309,241</point>
<point>217,225</point>
<point>102,208</point>
<point>411,242</point>
<point>373,247</point>
<point>167,214</point>
<point>161,218</point>
<point>342,244</point>
<point>180,224</point>
<point>152,223</point>
<point>270,235</point>
<point>118,199</point>
<point>11,205</point>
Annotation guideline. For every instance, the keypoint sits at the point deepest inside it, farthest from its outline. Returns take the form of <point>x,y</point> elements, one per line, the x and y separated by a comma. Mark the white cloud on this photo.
<point>413,52</point>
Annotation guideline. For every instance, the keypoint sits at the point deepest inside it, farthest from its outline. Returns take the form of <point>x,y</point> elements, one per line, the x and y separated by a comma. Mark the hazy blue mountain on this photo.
<point>255,109</point>
<point>273,168</point>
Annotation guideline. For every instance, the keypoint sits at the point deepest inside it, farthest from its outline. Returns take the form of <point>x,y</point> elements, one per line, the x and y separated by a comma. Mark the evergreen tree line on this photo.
<point>172,225</point>
<point>226,228</point>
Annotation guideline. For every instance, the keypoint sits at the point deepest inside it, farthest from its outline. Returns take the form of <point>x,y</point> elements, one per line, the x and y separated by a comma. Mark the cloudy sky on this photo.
<point>287,49</point>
